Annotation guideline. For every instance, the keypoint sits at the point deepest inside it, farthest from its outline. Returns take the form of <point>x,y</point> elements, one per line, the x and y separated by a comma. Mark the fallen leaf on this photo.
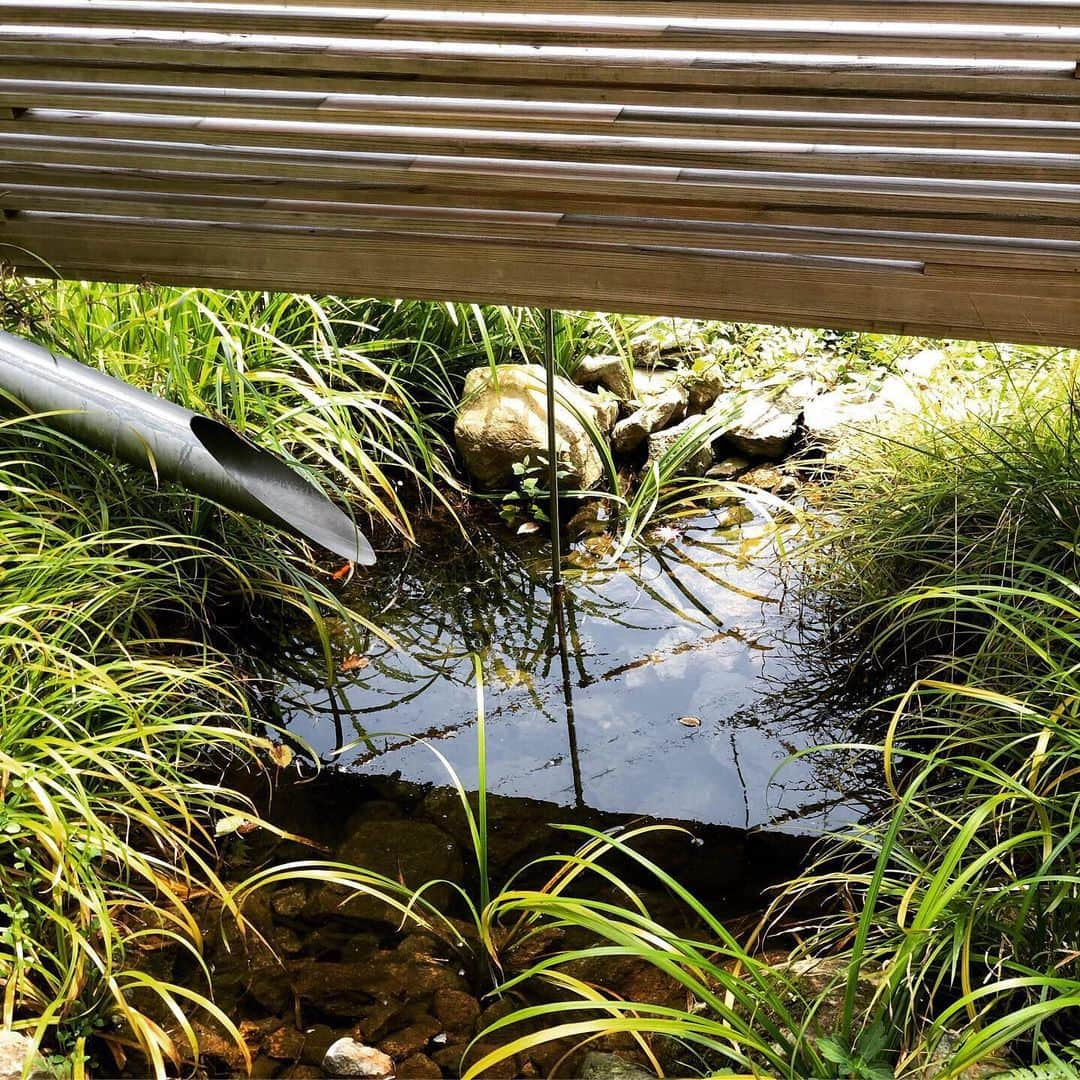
<point>527,528</point>
<point>690,721</point>
<point>281,755</point>
<point>354,662</point>
<point>342,571</point>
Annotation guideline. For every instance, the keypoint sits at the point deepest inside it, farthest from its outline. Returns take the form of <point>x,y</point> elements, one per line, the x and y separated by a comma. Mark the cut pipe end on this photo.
<point>286,495</point>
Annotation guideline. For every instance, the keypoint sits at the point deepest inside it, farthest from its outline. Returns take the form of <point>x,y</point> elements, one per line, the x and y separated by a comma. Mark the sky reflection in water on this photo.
<point>696,626</point>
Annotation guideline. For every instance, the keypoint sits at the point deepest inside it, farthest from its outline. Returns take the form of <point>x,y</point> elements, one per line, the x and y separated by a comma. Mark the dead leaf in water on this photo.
<point>528,528</point>
<point>281,755</point>
<point>690,721</point>
<point>354,662</point>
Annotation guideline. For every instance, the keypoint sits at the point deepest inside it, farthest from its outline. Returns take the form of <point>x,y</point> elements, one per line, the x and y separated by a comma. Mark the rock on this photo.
<point>419,1067</point>
<point>499,426</point>
<point>604,370</point>
<point>347,991</point>
<point>598,1066</point>
<point>303,1072</point>
<point>214,1043</point>
<point>592,519</point>
<point>828,416</point>
<point>695,462</point>
<point>263,1068</point>
<point>706,384</point>
<point>765,477</point>
<point>317,1040</point>
<point>606,411</point>
<point>403,850</point>
<point>507,1069</point>
<point>449,1057</point>
<point>729,468</point>
<point>289,900</point>
<point>17,1054</point>
<point>923,365</point>
<point>287,942</point>
<point>762,425</point>
<point>255,1032</point>
<point>653,382</point>
<point>657,413</point>
<point>456,1011</point>
<point>347,1057</point>
<point>285,1044</point>
<point>412,1039</point>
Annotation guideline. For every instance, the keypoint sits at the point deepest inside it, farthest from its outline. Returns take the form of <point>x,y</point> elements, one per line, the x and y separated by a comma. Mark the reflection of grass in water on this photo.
<point>490,599</point>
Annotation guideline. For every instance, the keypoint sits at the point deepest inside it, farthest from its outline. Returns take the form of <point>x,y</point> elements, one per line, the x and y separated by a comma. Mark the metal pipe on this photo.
<point>174,443</point>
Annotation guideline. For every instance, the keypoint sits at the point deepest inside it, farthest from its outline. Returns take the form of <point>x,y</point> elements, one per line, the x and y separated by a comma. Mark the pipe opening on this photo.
<point>287,495</point>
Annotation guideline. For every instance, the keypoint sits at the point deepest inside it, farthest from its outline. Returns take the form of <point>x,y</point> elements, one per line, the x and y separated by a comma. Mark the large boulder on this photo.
<point>502,422</point>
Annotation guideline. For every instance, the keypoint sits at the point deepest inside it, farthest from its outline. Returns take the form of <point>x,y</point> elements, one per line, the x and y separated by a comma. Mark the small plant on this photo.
<point>527,506</point>
<point>869,1059</point>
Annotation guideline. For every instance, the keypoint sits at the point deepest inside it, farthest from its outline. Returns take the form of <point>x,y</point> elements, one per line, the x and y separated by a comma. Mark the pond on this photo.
<point>689,678</point>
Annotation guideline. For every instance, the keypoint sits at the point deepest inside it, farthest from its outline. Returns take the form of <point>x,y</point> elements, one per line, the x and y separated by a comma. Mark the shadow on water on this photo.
<point>690,680</point>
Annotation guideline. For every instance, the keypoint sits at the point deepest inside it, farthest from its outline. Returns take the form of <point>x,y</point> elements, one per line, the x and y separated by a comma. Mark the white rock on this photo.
<point>17,1054</point>
<point>923,365</point>
<point>347,1057</point>
<point>763,424</point>
<point>697,461</point>
<point>657,413</point>
<point>610,372</point>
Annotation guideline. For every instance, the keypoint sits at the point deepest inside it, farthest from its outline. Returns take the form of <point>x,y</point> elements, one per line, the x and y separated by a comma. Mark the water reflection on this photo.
<point>697,627</point>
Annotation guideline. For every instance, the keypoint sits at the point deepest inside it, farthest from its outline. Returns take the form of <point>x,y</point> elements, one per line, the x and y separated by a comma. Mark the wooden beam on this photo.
<point>902,300</point>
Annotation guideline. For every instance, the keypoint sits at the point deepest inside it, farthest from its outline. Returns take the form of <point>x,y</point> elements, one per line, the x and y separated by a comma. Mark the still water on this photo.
<point>690,678</point>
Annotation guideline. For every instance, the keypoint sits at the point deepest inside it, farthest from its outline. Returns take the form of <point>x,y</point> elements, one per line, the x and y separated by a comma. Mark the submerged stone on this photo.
<point>599,1066</point>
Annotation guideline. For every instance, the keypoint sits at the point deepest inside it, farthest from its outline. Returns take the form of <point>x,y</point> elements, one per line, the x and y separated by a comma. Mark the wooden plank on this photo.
<point>906,129</point>
<point>1050,95</point>
<point>446,181</point>
<point>762,31</point>
<point>1059,255</point>
<point>1050,12</point>
<point>804,214</point>
<point>499,145</point>
<point>660,282</point>
<point>478,62</point>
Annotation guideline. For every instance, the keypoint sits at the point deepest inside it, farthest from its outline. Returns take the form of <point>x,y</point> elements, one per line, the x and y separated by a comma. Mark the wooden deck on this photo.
<point>902,165</point>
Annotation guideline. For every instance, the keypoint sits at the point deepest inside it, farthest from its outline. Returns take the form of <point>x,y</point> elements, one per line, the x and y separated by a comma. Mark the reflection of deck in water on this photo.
<point>695,627</point>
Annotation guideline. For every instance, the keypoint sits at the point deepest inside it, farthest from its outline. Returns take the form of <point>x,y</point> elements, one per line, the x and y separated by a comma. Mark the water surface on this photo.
<point>690,677</point>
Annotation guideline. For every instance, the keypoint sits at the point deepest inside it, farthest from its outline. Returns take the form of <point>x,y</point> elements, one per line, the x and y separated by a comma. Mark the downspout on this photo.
<point>175,444</point>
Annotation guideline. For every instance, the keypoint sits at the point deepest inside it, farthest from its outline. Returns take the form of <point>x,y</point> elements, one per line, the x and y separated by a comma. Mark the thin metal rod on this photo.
<point>553,458</point>
<point>557,597</point>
